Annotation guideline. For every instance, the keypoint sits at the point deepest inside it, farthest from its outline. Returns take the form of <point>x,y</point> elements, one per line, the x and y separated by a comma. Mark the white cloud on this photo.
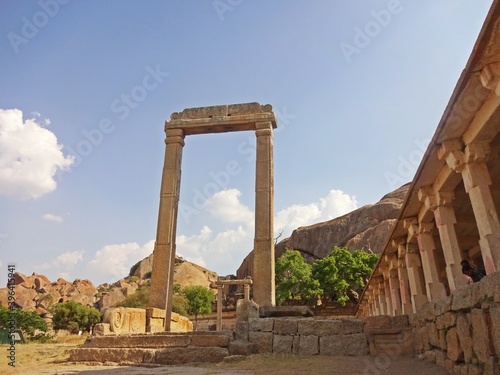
<point>193,248</point>
<point>221,252</point>
<point>29,156</point>
<point>335,204</point>
<point>52,217</point>
<point>113,262</point>
<point>66,261</point>
<point>226,205</point>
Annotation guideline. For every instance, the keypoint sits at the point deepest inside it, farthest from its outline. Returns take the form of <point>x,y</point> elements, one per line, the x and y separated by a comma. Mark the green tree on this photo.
<point>199,300</point>
<point>341,272</point>
<point>29,322</point>
<point>74,316</point>
<point>294,280</point>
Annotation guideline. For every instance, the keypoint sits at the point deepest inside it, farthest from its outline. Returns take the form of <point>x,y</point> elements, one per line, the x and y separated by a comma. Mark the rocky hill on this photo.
<point>38,293</point>
<point>366,228</point>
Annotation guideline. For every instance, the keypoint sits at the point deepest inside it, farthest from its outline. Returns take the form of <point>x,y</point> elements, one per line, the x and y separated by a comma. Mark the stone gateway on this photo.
<point>204,120</point>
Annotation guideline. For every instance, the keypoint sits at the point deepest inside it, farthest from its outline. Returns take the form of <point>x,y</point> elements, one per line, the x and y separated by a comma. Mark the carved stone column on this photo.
<point>164,250</point>
<point>435,289</point>
<point>415,276</point>
<point>404,285</point>
<point>440,204</point>
<point>382,301</point>
<point>263,263</point>
<point>471,163</point>
<point>395,292</point>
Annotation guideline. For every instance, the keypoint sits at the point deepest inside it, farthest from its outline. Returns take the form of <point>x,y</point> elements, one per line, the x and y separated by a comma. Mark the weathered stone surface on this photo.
<point>285,326</point>
<point>442,305</point>
<point>22,279</point>
<point>481,342</point>
<point>489,285</point>
<point>246,310</point>
<point>492,366</point>
<point>331,345</point>
<point>319,327</point>
<point>179,323</point>
<point>111,298</point>
<point>440,358</point>
<point>119,355</point>
<point>351,325</point>
<point>262,324</point>
<point>177,356</point>
<point>433,334</point>
<point>138,341</point>
<point>453,347</point>
<point>393,342</point>
<point>282,344</point>
<point>262,341</point>
<point>308,345</point>
<point>377,322</point>
<point>462,298</point>
<point>241,331</point>
<point>240,347</point>
<point>210,340</point>
<point>442,339</point>
<point>494,326</point>
<point>125,319</point>
<point>400,321</point>
<point>284,311</point>
<point>355,344</point>
<point>101,329</point>
<point>464,333</point>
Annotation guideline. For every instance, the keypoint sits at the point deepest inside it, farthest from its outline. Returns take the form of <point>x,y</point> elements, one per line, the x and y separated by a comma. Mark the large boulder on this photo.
<point>367,228</point>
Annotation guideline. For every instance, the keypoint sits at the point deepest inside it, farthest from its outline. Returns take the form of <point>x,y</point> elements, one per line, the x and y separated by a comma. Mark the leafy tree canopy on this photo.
<point>27,321</point>
<point>74,316</point>
<point>294,280</point>
<point>335,276</point>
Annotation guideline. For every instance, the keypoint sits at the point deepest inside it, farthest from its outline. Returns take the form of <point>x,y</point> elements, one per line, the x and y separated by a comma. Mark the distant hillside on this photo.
<point>366,228</point>
<point>38,293</point>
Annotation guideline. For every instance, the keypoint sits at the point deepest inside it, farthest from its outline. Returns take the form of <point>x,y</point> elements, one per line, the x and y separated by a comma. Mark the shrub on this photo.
<point>74,316</point>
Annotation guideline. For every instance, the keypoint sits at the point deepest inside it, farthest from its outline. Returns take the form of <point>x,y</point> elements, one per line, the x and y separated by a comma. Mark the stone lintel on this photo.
<point>221,118</point>
<point>246,281</point>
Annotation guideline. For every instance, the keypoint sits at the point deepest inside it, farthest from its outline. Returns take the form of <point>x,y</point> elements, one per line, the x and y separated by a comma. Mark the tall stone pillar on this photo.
<point>388,297</point>
<point>404,288</point>
<point>376,306</point>
<point>263,263</point>
<point>444,215</point>
<point>395,292</point>
<point>472,165</point>
<point>404,285</point>
<point>435,289</point>
<point>382,301</point>
<point>415,276</point>
<point>164,250</point>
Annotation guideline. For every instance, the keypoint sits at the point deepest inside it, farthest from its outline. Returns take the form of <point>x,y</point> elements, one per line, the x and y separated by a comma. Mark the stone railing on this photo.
<point>462,332</point>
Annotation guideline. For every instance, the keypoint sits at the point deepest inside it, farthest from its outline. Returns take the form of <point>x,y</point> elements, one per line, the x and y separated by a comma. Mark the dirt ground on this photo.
<point>44,359</point>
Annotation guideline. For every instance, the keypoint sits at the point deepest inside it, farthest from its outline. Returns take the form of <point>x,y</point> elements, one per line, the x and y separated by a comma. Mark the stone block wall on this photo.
<point>305,336</point>
<point>462,332</point>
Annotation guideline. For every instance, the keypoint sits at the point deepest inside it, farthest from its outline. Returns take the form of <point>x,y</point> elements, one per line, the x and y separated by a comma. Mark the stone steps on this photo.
<point>159,348</point>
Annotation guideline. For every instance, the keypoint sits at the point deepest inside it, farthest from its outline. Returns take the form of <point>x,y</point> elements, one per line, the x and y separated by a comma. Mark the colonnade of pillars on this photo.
<point>410,273</point>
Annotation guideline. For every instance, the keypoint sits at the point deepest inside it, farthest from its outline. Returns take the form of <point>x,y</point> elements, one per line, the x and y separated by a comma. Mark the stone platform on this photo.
<point>163,348</point>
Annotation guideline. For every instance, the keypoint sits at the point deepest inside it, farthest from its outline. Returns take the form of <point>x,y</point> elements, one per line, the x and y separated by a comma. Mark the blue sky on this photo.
<point>85,87</point>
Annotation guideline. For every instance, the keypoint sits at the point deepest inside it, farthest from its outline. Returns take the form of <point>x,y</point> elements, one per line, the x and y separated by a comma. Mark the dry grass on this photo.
<point>31,356</point>
<point>51,358</point>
